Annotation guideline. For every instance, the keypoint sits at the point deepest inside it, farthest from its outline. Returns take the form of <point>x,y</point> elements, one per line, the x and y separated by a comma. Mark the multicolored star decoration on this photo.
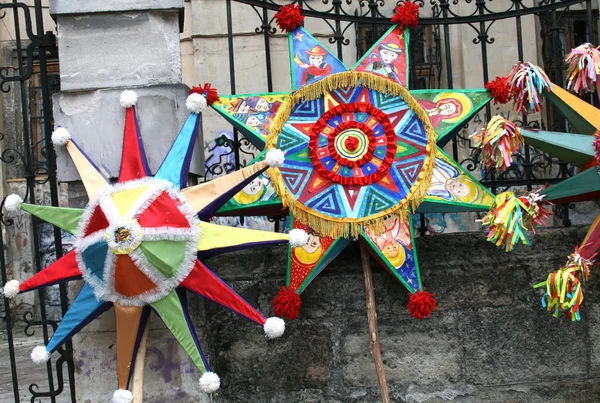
<point>564,287</point>
<point>362,155</point>
<point>528,84</point>
<point>141,245</point>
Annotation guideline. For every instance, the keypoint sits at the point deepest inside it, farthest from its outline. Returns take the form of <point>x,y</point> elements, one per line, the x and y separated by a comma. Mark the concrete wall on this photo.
<point>489,340</point>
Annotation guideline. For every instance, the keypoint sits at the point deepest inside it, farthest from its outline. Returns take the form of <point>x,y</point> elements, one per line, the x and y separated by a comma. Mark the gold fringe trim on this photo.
<point>352,227</point>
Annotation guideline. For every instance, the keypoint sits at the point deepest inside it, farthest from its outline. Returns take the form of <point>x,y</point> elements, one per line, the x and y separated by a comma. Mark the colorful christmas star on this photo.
<point>564,293</point>
<point>362,154</point>
<point>141,245</point>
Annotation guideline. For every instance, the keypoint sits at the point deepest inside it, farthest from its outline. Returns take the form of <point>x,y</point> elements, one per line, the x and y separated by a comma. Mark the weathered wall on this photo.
<point>488,341</point>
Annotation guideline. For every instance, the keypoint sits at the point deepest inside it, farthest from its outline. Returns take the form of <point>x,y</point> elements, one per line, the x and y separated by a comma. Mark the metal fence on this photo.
<point>34,80</point>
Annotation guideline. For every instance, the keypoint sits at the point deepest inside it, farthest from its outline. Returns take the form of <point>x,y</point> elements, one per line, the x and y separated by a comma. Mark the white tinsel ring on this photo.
<point>11,289</point>
<point>274,328</point>
<point>195,103</point>
<point>128,98</point>
<point>122,396</point>
<point>60,137</point>
<point>298,237</point>
<point>12,203</point>
<point>210,382</point>
<point>40,355</point>
<point>275,158</point>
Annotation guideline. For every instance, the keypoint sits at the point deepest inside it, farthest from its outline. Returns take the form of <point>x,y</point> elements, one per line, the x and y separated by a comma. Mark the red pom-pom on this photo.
<point>500,89</point>
<point>209,93</point>
<point>289,17</point>
<point>351,143</point>
<point>421,304</point>
<point>407,15</point>
<point>287,304</point>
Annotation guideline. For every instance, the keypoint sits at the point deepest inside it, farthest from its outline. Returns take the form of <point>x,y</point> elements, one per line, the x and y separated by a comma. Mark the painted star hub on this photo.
<point>138,241</point>
<point>124,238</point>
<point>354,152</point>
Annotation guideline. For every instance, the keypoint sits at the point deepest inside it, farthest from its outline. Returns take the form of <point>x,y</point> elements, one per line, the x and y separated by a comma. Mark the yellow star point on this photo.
<point>298,36</point>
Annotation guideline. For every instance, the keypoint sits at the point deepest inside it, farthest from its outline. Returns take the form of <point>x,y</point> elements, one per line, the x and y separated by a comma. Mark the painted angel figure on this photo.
<point>451,185</point>
<point>444,109</point>
<point>393,240</point>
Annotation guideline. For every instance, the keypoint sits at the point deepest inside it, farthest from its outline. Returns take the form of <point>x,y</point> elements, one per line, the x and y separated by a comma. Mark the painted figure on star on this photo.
<point>447,108</point>
<point>448,183</point>
<point>309,254</point>
<point>393,240</point>
<point>251,192</point>
<point>252,105</point>
<point>384,61</point>
<point>316,66</point>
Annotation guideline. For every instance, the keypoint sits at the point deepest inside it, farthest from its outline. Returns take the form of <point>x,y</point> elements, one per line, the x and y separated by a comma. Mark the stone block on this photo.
<point>111,50</point>
<point>414,352</point>
<point>96,119</point>
<point>593,316</point>
<point>248,264</point>
<point>572,391</point>
<point>521,344</point>
<point>248,363</point>
<point>58,7</point>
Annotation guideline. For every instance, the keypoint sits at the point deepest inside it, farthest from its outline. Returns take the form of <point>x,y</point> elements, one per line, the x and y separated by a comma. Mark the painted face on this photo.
<point>253,121</point>
<point>388,56</point>
<point>253,187</point>
<point>392,249</point>
<point>262,105</point>
<point>314,243</point>
<point>457,187</point>
<point>244,108</point>
<point>315,60</point>
<point>447,109</point>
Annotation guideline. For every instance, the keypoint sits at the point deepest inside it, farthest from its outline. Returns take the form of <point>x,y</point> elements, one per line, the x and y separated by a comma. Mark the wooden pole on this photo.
<point>137,389</point>
<point>373,332</point>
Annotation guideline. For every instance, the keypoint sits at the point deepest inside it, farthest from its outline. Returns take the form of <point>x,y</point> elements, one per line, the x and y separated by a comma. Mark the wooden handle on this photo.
<point>137,388</point>
<point>373,332</point>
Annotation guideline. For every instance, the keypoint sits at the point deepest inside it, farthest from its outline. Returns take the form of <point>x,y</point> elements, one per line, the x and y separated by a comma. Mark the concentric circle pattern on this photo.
<point>137,242</point>
<point>353,153</point>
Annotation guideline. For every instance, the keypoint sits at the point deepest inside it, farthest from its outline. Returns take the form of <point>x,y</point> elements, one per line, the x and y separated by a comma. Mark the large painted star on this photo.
<point>141,245</point>
<point>362,154</point>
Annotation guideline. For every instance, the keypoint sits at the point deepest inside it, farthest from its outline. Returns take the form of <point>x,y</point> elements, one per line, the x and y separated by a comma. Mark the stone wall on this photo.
<point>489,340</point>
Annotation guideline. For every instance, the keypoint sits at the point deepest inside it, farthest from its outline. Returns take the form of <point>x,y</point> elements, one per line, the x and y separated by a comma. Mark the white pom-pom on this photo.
<point>195,103</point>
<point>40,355</point>
<point>128,98</point>
<point>275,158</point>
<point>210,382</point>
<point>11,289</point>
<point>298,237</point>
<point>60,137</point>
<point>12,203</point>
<point>122,396</point>
<point>274,328</point>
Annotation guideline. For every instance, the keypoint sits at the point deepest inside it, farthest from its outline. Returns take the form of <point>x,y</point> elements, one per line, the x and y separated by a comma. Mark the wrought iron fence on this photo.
<point>561,27</point>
